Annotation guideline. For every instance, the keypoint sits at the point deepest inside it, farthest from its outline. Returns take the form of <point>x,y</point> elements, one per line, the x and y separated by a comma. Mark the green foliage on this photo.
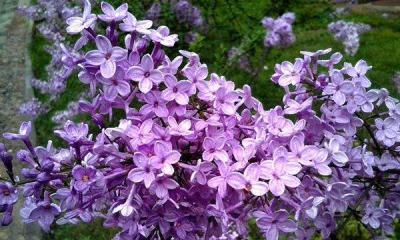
<point>236,23</point>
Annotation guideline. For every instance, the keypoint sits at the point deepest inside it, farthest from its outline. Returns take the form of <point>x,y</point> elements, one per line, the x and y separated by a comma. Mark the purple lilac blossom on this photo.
<point>193,156</point>
<point>349,34</point>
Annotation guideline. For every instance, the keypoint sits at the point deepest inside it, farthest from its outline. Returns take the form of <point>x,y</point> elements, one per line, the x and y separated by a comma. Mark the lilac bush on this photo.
<point>194,157</point>
<point>349,34</point>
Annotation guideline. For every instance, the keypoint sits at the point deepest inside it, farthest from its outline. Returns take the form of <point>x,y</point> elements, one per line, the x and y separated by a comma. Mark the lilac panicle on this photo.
<point>181,153</point>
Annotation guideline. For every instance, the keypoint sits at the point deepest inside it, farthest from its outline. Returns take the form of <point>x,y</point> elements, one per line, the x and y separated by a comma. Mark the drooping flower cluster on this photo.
<point>187,13</point>
<point>32,108</point>
<point>49,18</point>
<point>193,157</point>
<point>279,30</point>
<point>349,34</point>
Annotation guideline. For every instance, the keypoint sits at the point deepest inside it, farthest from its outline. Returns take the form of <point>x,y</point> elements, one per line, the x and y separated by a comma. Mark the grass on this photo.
<point>234,23</point>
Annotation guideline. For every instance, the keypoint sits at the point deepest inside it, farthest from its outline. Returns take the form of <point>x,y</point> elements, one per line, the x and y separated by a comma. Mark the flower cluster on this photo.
<point>194,157</point>
<point>349,34</point>
<point>187,13</point>
<point>49,18</point>
<point>279,30</point>
<point>32,108</point>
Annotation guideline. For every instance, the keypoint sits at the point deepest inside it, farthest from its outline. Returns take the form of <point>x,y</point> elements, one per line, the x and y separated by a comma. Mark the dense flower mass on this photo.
<point>194,157</point>
<point>279,30</point>
<point>349,34</point>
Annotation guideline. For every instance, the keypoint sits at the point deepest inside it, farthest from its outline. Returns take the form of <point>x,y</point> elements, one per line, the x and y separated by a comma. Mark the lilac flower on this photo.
<point>115,85</point>
<point>24,132</point>
<point>291,73</point>
<point>338,88</point>
<point>227,177</point>
<point>387,130</point>
<point>325,223</point>
<point>225,101</point>
<point>175,90</point>
<point>83,178</point>
<point>181,129</point>
<point>358,73</point>
<point>214,149</point>
<point>252,174</point>
<point>339,157</point>
<point>144,171</point>
<point>272,223</point>
<point>8,194</point>
<point>162,36</point>
<point>372,216</point>
<point>278,177</point>
<point>165,157</point>
<point>130,24</point>
<point>140,135</point>
<point>294,107</point>
<point>44,213</point>
<point>154,104</point>
<point>145,74</point>
<point>106,56</point>
<point>73,133</point>
<point>77,24</point>
<point>161,186</point>
<point>111,14</point>
<point>200,171</point>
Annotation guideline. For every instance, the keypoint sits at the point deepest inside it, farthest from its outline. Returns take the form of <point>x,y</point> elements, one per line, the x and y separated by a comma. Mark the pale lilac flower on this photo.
<point>162,36</point>
<point>338,88</point>
<point>145,74</point>
<point>181,129</point>
<point>387,130</point>
<point>175,90</point>
<point>225,101</point>
<point>77,24</point>
<point>130,24</point>
<point>339,157</point>
<point>164,157</point>
<point>294,107</point>
<point>214,149</point>
<point>278,177</point>
<point>291,73</point>
<point>140,135</point>
<point>161,186</point>
<point>111,14</point>
<point>227,177</point>
<point>44,213</point>
<point>200,171</point>
<point>154,105</point>
<point>106,56</point>
<point>115,85</point>
<point>358,73</point>
<point>252,174</point>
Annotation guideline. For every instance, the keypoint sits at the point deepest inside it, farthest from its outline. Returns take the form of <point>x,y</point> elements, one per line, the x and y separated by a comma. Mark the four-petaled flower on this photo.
<point>144,171</point>
<point>77,24</point>
<point>106,56</point>
<point>145,74</point>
